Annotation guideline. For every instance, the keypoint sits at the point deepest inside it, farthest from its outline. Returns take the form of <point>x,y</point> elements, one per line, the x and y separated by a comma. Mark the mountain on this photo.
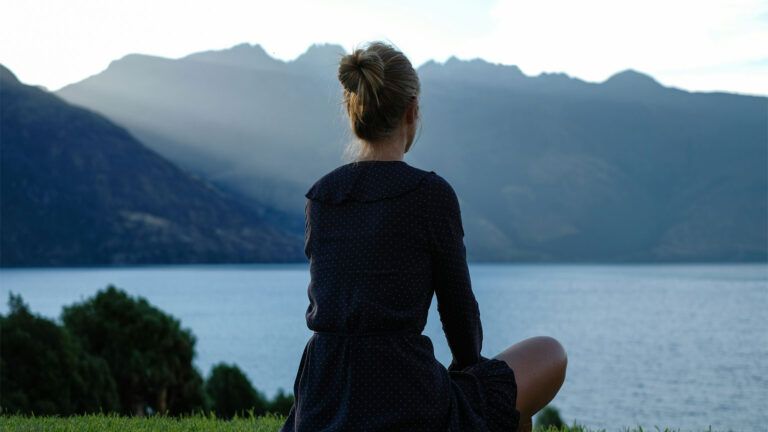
<point>79,190</point>
<point>235,125</point>
<point>625,170</point>
<point>548,167</point>
<point>243,55</point>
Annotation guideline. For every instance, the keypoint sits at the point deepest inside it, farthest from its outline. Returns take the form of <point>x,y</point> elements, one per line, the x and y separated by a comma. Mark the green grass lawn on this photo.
<point>102,423</point>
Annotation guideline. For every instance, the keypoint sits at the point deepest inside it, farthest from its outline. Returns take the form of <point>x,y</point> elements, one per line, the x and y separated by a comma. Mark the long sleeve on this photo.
<point>456,303</point>
<point>307,228</point>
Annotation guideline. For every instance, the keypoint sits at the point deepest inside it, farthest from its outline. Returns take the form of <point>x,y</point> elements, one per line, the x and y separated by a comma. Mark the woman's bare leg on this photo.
<point>539,364</point>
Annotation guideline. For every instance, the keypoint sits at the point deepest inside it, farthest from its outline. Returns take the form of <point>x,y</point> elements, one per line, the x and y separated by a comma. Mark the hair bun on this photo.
<point>379,85</point>
<point>362,73</point>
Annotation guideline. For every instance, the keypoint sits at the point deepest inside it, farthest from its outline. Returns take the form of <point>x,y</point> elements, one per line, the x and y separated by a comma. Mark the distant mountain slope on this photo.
<point>78,190</point>
<point>626,170</point>
<point>229,115</point>
<point>548,167</point>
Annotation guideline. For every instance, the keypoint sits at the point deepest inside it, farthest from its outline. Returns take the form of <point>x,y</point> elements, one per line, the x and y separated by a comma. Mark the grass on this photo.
<point>269,423</point>
<point>117,423</point>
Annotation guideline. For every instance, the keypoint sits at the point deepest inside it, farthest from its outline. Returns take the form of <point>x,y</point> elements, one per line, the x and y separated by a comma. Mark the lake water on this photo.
<point>682,346</point>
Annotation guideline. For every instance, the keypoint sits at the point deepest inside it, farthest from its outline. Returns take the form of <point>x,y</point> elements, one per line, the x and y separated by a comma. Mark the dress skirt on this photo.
<point>490,391</point>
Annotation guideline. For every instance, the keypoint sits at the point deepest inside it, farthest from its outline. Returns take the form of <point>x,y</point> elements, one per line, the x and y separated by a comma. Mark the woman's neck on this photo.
<point>391,148</point>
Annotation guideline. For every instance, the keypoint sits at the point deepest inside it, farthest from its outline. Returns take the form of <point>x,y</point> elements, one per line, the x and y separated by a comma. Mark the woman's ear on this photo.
<point>412,113</point>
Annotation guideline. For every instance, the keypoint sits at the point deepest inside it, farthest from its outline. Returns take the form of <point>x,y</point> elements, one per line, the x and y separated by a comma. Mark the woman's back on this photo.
<point>368,254</point>
<point>372,230</point>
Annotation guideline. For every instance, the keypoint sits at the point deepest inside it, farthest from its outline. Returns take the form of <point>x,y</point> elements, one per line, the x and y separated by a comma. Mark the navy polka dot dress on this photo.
<point>382,237</point>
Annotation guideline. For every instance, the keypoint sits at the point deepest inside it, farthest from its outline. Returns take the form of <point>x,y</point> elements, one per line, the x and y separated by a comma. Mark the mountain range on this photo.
<point>79,190</point>
<point>547,168</point>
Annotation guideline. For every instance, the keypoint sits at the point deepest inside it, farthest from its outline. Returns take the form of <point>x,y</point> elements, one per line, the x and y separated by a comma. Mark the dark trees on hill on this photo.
<point>45,371</point>
<point>232,393</point>
<point>115,353</point>
<point>150,355</point>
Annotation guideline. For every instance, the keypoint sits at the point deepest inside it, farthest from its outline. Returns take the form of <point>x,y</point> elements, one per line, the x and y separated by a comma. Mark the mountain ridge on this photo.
<point>245,47</point>
<point>548,168</point>
<point>79,190</point>
<point>230,56</point>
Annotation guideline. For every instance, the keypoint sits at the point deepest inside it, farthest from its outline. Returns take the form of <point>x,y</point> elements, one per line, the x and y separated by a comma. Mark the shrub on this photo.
<point>148,352</point>
<point>549,416</point>
<point>232,394</point>
<point>281,404</point>
<point>45,371</point>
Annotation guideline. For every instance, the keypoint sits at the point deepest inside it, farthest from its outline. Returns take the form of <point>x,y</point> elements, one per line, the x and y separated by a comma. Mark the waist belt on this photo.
<point>370,334</point>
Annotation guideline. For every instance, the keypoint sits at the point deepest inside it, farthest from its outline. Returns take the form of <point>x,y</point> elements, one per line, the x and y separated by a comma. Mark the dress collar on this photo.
<point>367,181</point>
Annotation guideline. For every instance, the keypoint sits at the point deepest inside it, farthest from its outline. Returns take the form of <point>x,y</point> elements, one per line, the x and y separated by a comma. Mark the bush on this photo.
<point>148,352</point>
<point>549,416</point>
<point>281,404</point>
<point>232,394</point>
<point>45,371</point>
<point>115,354</point>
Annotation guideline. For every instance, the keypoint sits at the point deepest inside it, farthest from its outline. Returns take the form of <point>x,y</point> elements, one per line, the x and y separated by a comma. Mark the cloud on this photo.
<point>692,44</point>
<point>593,39</point>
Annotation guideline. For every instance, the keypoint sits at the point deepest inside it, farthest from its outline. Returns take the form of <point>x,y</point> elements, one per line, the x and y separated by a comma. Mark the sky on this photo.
<point>697,45</point>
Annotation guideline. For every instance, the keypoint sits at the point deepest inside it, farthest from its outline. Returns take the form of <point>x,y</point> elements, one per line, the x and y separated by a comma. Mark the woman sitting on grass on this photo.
<point>382,237</point>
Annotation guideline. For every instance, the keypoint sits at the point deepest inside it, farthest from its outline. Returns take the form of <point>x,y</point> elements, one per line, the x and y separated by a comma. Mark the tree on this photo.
<point>44,370</point>
<point>232,393</point>
<point>148,352</point>
<point>549,417</point>
<point>281,404</point>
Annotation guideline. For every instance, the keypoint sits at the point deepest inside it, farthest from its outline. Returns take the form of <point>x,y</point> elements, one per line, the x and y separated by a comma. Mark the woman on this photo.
<point>382,237</point>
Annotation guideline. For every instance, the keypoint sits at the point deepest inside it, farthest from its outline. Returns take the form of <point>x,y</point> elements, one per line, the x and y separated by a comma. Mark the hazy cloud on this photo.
<point>698,45</point>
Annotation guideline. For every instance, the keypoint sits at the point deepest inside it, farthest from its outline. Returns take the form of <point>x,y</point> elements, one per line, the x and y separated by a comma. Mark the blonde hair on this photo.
<point>379,84</point>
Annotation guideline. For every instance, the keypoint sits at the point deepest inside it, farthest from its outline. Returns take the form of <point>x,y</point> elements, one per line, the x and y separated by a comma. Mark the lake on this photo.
<point>682,346</point>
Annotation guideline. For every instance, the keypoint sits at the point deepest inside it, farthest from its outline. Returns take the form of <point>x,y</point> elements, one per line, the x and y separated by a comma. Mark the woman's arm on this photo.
<point>456,302</point>
<point>307,228</point>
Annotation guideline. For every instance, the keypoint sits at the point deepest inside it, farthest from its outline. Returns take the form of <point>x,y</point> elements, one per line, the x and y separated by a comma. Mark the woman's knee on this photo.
<point>537,349</point>
<point>539,363</point>
<point>555,352</point>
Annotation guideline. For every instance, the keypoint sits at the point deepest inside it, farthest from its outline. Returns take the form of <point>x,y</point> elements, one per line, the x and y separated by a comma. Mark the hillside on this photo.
<point>547,167</point>
<point>79,190</point>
